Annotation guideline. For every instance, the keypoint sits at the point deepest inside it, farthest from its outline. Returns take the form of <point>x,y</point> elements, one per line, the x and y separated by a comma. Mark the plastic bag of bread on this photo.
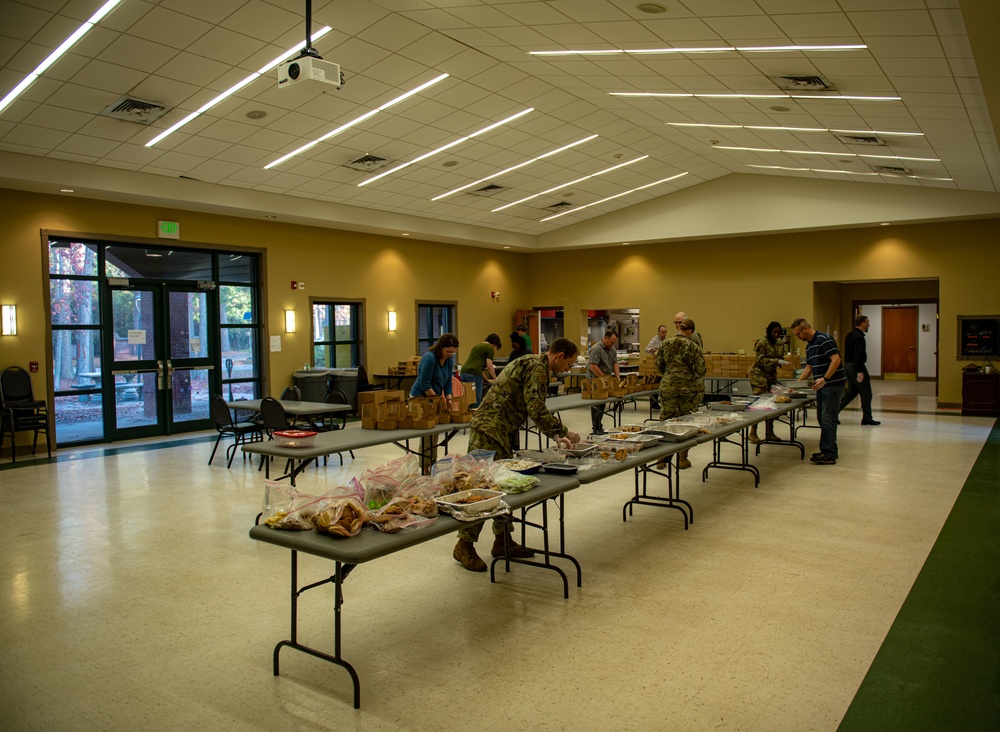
<point>286,507</point>
<point>343,518</point>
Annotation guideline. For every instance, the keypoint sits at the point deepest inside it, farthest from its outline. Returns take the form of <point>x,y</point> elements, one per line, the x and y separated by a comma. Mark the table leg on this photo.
<point>743,442</point>
<point>642,497</point>
<point>293,642</point>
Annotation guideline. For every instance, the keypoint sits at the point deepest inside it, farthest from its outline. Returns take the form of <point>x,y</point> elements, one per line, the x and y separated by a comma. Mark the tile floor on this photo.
<point>132,598</point>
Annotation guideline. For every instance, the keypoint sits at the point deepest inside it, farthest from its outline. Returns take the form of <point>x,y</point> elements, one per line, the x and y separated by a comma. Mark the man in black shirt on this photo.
<point>858,381</point>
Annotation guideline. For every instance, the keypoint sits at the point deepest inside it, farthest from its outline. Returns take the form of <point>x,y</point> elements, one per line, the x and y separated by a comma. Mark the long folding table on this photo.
<point>355,438</point>
<point>370,545</point>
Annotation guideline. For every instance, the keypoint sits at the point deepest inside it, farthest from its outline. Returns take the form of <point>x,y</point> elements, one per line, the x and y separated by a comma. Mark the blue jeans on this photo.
<point>478,381</point>
<point>827,407</point>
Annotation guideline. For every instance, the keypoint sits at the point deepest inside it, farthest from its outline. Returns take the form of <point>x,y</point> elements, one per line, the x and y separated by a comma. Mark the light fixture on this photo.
<point>8,315</point>
<point>571,183</point>
<point>355,121</point>
<point>516,167</point>
<point>847,172</point>
<point>54,56</point>
<point>289,321</point>
<point>392,321</point>
<point>774,128</point>
<point>67,190</point>
<point>710,49</point>
<point>233,89</point>
<point>819,152</point>
<point>617,195</point>
<point>822,97</point>
<point>451,144</point>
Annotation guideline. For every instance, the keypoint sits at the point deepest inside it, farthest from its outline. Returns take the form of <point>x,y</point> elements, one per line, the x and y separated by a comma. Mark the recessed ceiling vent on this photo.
<point>367,163</point>
<point>892,169</point>
<point>556,207</point>
<point>802,83</point>
<point>489,190</point>
<point>131,109</point>
<point>861,139</point>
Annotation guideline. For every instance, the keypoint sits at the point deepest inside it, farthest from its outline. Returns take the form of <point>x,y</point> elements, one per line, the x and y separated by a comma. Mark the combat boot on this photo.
<point>512,549</point>
<point>753,435</point>
<point>465,554</point>
<point>682,460</point>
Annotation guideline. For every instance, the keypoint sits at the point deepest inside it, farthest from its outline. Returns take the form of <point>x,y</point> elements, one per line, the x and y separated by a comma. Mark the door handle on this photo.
<point>159,376</point>
<point>170,376</point>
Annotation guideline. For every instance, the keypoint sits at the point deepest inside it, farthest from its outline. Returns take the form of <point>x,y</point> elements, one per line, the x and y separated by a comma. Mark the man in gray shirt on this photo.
<point>603,362</point>
<point>656,341</point>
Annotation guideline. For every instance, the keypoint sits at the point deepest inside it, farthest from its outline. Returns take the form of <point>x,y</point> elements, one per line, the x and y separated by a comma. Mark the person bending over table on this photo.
<point>478,365</point>
<point>519,393</point>
<point>682,387</point>
<point>435,369</point>
<point>764,372</point>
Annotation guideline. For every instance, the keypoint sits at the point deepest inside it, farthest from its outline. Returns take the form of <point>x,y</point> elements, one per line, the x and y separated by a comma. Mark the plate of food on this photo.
<point>527,467</point>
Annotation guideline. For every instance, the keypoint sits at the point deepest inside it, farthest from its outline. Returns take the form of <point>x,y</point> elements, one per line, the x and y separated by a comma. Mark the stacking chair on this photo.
<point>332,422</point>
<point>241,432</point>
<point>364,384</point>
<point>272,417</point>
<point>291,394</point>
<point>20,411</point>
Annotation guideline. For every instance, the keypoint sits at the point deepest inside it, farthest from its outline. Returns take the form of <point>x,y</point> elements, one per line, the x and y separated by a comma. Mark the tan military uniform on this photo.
<point>682,388</point>
<point>519,393</point>
<point>764,372</point>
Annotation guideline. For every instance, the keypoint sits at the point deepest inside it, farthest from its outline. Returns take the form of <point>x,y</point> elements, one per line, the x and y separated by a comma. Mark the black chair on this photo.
<point>273,418</point>
<point>20,411</point>
<point>336,421</point>
<point>363,383</point>
<point>291,394</point>
<point>241,432</point>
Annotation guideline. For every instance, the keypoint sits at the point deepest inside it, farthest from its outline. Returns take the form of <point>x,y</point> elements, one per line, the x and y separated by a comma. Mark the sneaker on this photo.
<point>870,421</point>
<point>822,459</point>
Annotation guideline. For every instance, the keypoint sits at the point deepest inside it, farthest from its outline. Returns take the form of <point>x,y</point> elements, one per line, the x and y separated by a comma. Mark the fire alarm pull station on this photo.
<point>295,285</point>
<point>33,367</point>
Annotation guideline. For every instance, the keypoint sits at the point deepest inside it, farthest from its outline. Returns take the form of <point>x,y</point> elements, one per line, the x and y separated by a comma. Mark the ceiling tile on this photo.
<point>893,23</point>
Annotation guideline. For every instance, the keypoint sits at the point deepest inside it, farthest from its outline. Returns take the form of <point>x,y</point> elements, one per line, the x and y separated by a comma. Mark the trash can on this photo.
<point>312,384</point>
<point>347,381</point>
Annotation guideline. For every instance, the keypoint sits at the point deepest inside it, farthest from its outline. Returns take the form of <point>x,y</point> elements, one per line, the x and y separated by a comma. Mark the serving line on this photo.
<point>355,438</point>
<point>370,545</point>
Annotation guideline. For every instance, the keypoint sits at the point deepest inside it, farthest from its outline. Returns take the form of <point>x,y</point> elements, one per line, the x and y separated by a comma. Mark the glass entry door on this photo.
<point>161,360</point>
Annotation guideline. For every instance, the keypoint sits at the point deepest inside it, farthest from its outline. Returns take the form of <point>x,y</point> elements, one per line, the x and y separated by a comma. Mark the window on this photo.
<point>432,321</point>
<point>336,329</point>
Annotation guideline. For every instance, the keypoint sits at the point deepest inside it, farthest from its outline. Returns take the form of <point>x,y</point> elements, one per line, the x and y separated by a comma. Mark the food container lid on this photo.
<point>295,434</point>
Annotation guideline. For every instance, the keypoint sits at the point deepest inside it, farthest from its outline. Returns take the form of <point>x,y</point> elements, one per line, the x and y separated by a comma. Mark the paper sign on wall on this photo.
<point>136,337</point>
<point>275,344</point>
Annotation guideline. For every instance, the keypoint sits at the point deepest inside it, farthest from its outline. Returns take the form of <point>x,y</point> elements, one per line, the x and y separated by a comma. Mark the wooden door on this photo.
<point>899,343</point>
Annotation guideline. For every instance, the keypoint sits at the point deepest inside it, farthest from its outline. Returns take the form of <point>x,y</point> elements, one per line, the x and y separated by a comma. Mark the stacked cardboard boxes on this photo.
<point>738,365</point>
<point>390,410</point>
<point>405,368</point>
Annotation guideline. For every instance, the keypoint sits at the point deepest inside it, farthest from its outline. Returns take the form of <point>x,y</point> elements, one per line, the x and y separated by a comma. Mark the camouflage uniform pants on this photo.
<point>673,404</point>
<point>501,525</point>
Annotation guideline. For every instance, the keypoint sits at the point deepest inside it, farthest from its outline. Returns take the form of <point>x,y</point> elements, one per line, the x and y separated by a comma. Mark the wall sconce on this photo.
<point>8,320</point>
<point>289,321</point>
<point>392,321</point>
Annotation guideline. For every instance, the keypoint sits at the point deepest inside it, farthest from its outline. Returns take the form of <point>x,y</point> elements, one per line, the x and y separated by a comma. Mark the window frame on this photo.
<point>427,342</point>
<point>357,343</point>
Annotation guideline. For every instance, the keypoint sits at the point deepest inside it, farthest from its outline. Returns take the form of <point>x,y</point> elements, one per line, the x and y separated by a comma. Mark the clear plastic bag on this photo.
<point>286,507</point>
<point>343,518</point>
<point>381,484</point>
<point>422,489</point>
<point>464,473</point>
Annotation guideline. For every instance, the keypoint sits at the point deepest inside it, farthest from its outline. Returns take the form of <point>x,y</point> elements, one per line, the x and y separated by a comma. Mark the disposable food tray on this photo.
<point>294,438</point>
<point>560,468</point>
<point>491,501</point>
<point>674,432</point>
<point>721,407</point>
<point>579,451</point>
<point>643,440</point>
<point>796,384</point>
<point>530,469</point>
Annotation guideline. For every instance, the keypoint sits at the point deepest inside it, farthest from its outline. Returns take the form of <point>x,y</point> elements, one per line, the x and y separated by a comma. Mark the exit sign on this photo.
<point>168,230</point>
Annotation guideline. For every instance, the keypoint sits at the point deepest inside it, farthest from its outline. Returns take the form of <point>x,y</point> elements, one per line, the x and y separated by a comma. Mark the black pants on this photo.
<point>864,390</point>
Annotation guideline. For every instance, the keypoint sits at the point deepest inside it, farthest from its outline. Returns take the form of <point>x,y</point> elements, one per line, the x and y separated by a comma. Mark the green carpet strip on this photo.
<point>939,666</point>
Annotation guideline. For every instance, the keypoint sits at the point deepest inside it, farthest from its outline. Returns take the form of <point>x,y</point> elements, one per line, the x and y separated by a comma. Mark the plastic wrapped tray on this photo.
<point>643,440</point>
<point>490,501</point>
<point>616,450</point>
<point>525,467</point>
<point>674,432</point>
<point>731,407</point>
<point>294,438</point>
<point>579,451</point>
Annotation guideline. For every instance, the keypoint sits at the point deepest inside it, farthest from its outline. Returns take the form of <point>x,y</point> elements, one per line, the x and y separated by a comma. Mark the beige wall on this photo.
<point>730,287</point>
<point>733,287</point>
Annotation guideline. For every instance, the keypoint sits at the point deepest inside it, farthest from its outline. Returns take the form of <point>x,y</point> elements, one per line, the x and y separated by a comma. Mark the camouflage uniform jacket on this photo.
<point>682,364</point>
<point>519,393</point>
<point>764,372</point>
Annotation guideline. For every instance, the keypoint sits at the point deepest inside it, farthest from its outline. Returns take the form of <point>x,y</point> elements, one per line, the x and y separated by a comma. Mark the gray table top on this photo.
<point>370,544</point>
<point>351,438</point>
<point>300,409</point>
<point>575,401</point>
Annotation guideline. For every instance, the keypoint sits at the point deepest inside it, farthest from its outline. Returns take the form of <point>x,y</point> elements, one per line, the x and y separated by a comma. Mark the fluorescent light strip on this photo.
<point>710,49</point>
<point>819,152</point>
<point>796,129</point>
<point>356,121</point>
<point>235,88</point>
<point>58,52</point>
<point>617,195</point>
<point>570,183</point>
<point>550,153</point>
<point>846,172</point>
<point>448,146</point>
<point>831,97</point>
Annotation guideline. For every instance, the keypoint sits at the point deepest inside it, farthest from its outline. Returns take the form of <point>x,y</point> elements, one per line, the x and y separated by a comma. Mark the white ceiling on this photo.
<point>182,53</point>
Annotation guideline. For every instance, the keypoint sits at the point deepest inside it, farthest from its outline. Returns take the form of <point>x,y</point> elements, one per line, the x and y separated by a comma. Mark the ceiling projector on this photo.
<point>309,68</point>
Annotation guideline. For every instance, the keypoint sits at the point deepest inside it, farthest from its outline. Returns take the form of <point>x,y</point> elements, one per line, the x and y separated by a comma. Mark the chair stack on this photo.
<point>20,411</point>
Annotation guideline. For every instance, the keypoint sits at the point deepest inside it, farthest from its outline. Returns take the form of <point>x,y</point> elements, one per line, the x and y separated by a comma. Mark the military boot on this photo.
<point>511,549</point>
<point>753,435</point>
<point>682,460</point>
<point>465,554</point>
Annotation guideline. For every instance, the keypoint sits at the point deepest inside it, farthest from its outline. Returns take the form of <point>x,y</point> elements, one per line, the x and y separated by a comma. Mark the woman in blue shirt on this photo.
<point>436,368</point>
